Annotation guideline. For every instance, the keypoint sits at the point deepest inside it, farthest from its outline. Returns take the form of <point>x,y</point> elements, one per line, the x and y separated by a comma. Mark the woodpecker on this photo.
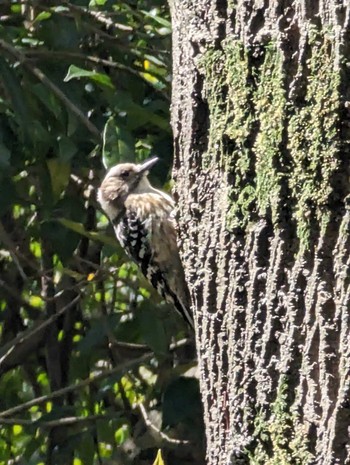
<point>143,222</point>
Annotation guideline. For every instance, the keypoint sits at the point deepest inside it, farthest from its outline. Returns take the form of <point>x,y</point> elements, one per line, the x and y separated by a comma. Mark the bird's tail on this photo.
<point>184,310</point>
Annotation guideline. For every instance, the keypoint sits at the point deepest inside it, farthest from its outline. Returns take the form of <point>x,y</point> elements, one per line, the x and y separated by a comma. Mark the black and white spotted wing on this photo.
<point>132,235</point>
<point>135,236</point>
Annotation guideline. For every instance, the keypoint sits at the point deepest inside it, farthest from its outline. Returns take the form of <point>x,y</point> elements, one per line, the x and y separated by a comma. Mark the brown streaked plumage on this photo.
<point>144,225</point>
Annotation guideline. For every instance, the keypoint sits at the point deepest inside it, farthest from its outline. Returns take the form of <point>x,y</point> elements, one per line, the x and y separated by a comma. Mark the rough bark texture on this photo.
<point>261,126</point>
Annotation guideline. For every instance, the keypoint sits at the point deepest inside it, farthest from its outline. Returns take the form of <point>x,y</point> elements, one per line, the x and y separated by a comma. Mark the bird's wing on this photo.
<point>148,234</point>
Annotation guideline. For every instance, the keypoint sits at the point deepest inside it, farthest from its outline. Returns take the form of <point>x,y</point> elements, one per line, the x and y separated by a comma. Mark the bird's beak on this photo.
<point>147,165</point>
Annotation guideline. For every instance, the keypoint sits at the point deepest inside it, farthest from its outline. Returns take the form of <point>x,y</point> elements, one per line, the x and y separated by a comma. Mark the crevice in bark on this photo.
<point>200,118</point>
<point>221,8</point>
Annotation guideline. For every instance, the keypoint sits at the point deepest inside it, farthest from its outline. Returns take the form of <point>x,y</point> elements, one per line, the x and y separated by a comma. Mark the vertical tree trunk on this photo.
<point>261,126</point>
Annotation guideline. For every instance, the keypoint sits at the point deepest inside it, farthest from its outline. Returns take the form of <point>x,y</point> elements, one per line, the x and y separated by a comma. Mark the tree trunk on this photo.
<point>261,126</point>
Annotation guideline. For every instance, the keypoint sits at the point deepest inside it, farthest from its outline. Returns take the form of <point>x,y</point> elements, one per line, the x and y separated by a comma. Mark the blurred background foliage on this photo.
<point>94,368</point>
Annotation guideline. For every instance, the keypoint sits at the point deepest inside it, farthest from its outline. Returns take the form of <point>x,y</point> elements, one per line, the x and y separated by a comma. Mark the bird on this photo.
<point>144,223</point>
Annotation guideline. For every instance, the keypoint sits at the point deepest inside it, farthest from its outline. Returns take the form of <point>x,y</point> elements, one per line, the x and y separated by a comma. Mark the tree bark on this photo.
<point>260,115</point>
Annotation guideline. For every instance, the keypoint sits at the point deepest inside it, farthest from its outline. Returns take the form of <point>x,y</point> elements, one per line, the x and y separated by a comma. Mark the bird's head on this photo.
<point>122,180</point>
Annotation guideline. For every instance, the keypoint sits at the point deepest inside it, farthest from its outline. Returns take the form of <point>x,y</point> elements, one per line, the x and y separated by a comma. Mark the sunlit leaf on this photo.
<point>74,72</point>
<point>90,276</point>
<point>16,8</point>
<point>97,2</point>
<point>42,379</point>
<point>36,301</point>
<point>105,449</point>
<point>17,429</point>
<point>42,16</point>
<point>150,78</point>
<point>121,434</point>
<point>154,14</point>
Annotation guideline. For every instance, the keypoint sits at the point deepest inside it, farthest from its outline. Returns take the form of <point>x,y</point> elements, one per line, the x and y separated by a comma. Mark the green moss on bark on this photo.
<point>247,109</point>
<point>270,107</point>
<point>313,139</point>
<point>229,95</point>
<point>283,436</point>
<point>250,115</point>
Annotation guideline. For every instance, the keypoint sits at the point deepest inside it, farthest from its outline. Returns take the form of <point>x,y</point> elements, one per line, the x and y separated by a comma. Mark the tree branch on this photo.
<point>75,387</point>
<point>68,421</point>
<point>22,344</point>
<point>99,17</point>
<point>53,55</point>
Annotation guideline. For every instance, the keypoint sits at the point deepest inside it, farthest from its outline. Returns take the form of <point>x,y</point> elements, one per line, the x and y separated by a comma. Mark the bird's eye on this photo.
<point>124,174</point>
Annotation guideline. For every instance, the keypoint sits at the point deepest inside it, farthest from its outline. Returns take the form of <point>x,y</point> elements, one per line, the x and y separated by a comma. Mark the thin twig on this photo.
<point>161,434</point>
<point>142,347</point>
<point>99,17</point>
<point>23,338</point>
<point>53,55</point>
<point>11,246</point>
<point>68,421</point>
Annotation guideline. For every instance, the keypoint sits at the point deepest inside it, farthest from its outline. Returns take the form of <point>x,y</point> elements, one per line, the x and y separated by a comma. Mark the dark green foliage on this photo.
<point>83,339</point>
<point>181,402</point>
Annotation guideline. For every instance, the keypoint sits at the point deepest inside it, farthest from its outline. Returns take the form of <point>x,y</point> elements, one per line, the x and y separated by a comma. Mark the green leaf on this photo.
<point>105,432</point>
<point>181,402</point>
<point>42,16</point>
<point>152,328</point>
<point>97,334</point>
<point>97,3</point>
<point>59,174</point>
<point>16,8</point>
<point>8,193</point>
<point>95,236</point>
<point>159,19</point>
<point>86,449</point>
<point>67,149</point>
<point>48,99</point>
<point>121,434</point>
<point>118,144</point>
<point>63,241</point>
<point>138,115</point>
<point>32,448</point>
<point>14,88</point>
<point>74,73</point>
<point>5,156</point>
